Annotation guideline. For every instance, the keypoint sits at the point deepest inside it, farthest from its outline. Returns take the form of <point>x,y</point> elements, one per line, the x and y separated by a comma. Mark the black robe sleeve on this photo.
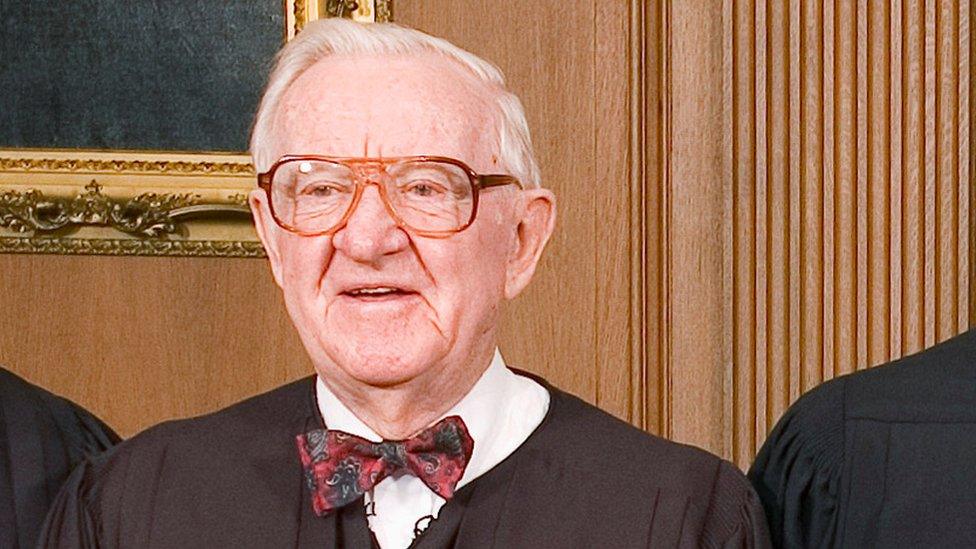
<point>42,438</point>
<point>71,524</point>
<point>734,522</point>
<point>798,471</point>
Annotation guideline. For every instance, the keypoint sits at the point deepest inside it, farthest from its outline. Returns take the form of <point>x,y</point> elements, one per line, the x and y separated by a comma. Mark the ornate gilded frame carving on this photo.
<point>125,203</point>
<point>303,11</point>
<point>147,202</point>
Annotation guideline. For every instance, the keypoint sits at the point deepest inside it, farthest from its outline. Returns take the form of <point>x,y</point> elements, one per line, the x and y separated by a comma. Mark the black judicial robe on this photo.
<point>233,479</point>
<point>885,457</point>
<point>42,437</point>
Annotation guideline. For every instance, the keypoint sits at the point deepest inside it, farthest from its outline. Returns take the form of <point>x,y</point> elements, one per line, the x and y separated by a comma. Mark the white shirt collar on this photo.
<point>501,411</point>
<point>493,410</point>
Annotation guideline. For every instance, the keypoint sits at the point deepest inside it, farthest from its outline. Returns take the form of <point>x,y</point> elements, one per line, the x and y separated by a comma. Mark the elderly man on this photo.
<point>400,206</point>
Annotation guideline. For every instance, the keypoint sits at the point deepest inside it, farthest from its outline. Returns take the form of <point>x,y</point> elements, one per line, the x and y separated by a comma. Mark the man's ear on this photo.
<point>267,230</point>
<point>537,219</point>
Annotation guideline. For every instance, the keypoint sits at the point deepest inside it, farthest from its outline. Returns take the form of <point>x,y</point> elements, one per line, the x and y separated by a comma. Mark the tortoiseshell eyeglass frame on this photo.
<point>371,165</point>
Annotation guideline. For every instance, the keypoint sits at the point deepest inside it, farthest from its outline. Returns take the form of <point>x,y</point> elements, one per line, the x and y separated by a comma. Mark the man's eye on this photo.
<point>322,190</point>
<point>423,189</point>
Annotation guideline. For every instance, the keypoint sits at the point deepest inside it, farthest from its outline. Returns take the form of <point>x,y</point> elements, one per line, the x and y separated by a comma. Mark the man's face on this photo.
<point>445,306</point>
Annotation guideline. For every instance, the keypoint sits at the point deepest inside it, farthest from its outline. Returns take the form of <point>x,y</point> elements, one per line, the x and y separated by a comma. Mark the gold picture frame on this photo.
<point>158,203</point>
<point>300,12</point>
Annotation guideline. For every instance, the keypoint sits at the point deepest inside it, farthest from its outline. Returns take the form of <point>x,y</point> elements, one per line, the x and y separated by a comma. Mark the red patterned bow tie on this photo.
<point>340,468</point>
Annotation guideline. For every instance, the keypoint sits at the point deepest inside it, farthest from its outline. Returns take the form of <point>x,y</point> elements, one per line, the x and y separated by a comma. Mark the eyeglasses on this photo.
<point>429,195</point>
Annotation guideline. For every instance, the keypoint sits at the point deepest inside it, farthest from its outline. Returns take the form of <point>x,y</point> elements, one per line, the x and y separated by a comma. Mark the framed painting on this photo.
<point>124,125</point>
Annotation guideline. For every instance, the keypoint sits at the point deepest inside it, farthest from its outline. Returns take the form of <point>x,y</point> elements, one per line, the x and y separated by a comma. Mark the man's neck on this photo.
<point>401,411</point>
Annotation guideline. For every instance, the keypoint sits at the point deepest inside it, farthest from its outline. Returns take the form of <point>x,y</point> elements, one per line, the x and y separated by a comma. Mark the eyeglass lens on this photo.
<point>313,196</point>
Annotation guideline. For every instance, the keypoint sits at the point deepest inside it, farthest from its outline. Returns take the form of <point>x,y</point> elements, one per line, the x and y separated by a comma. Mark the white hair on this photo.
<point>335,36</point>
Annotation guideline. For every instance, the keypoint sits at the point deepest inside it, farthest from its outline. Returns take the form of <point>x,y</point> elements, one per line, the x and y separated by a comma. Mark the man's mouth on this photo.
<point>377,293</point>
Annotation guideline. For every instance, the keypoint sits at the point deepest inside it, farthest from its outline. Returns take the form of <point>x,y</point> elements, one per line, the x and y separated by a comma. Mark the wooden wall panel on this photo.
<point>694,209</point>
<point>847,190</point>
<point>140,340</point>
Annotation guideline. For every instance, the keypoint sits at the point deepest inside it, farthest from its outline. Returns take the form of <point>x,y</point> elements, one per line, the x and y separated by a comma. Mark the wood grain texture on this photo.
<point>142,340</point>
<point>696,207</point>
<point>651,142</point>
<point>848,193</point>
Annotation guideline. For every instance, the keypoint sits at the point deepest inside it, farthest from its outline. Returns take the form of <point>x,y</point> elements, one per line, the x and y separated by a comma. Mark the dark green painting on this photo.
<point>135,74</point>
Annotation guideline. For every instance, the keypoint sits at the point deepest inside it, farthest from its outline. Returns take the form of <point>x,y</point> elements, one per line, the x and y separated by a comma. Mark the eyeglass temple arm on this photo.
<point>497,180</point>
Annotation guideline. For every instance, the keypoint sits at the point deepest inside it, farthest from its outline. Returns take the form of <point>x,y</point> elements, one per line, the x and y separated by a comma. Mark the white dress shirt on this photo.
<point>500,412</point>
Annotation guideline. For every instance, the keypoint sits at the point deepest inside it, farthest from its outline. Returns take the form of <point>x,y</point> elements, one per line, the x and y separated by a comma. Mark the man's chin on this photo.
<point>378,329</point>
<point>378,312</point>
<point>378,367</point>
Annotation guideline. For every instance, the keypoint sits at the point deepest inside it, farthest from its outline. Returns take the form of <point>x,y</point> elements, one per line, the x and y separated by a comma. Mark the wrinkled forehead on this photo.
<point>380,106</point>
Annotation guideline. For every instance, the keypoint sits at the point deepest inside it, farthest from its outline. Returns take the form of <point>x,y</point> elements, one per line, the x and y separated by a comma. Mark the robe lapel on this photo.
<point>352,528</point>
<point>442,533</point>
<point>472,517</point>
<point>344,529</point>
<point>475,517</point>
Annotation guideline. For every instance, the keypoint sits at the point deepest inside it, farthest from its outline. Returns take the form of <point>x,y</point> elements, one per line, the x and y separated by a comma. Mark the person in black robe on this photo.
<point>233,479</point>
<point>394,267</point>
<point>885,457</point>
<point>42,438</point>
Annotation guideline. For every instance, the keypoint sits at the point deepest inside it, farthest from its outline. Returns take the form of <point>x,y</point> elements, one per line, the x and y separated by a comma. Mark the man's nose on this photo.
<point>370,232</point>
